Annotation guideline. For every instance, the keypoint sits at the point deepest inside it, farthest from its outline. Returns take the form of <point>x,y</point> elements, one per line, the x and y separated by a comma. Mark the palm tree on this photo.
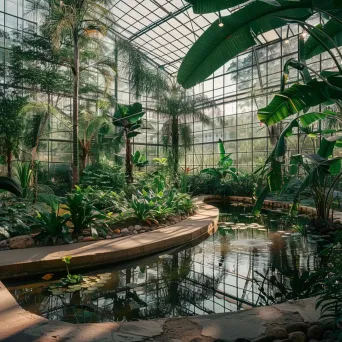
<point>70,22</point>
<point>179,110</point>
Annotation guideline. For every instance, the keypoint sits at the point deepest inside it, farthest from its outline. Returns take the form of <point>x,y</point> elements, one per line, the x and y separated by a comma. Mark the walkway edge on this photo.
<point>39,260</point>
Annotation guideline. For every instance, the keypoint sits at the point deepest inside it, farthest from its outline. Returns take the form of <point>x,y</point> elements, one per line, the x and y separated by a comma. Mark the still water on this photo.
<point>219,274</point>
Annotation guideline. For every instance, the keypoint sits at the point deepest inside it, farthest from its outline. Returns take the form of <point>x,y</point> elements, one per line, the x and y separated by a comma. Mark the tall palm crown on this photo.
<point>180,110</point>
<point>68,23</point>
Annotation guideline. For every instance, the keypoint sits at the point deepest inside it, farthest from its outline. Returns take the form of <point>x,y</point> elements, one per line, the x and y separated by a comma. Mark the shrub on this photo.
<point>103,177</point>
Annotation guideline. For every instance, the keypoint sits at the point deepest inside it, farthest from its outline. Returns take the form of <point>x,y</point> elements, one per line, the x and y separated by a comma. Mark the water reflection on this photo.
<point>214,276</point>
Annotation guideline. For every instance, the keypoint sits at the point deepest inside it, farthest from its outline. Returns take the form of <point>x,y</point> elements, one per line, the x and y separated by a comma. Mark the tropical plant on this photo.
<point>24,176</point>
<point>83,214</point>
<point>180,109</point>
<point>129,121</point>
<point>184,177</point>
<point>76,22</point>
<point>103,177</point>
<point>89,131</point>
<point>224,164</point>
<point>329,300</point>
<point>139,160</point>
<point>71,278</point>
<point>51,225</point>
<point>317,168</point>
<point>142,208</point>
<point>105,201</point>
<point>213,49</point>
<point>8,184</point>
<point>11,127</point>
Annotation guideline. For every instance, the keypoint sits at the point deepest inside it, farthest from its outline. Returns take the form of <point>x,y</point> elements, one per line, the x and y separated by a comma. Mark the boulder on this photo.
<point>315,332</point>
<point>3,243</point>
<point>278,333</point>
<point>19,242</point>
<point>292,327</point>
<point>135,232</point>
<point>116,231</point>
<point>137,227</point>
<point>124,231</point>
<point>297,336</point>
<point>130,228</point>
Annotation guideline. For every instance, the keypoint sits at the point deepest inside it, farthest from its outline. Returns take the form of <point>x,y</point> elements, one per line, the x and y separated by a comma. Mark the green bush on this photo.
<point>103,177</point>
<point>205,184</point>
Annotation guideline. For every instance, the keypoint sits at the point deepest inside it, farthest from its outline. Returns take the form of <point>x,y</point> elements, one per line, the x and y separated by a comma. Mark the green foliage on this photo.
<point>71,278</point>
<point>219,44</point>
<point>13,219</point>
<point>51,225</point>
<point>103,177</point>
<point>104,201</point>
<point>25,177</point>
<point>11,127</point>
<point>139,160</point>
<point>82,212</point>
<point>330,297</point>
<point>224,165</point>
<point>8,184</point>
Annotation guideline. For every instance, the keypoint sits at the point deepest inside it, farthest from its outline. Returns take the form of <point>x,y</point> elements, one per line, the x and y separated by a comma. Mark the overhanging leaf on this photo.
<point>220,44</point>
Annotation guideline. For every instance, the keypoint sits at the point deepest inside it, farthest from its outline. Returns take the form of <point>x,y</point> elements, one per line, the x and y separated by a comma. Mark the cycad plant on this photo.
<point>180,110</point>
<point>70,22</point>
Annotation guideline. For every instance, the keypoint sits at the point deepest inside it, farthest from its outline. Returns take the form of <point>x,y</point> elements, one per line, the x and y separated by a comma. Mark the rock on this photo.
<point>241,340</point>
<point>3,243</point>
<point>297,336</point>
<point>313,340</point>
<point>320,324</point>
<point>109,237</point>
<point>80,238</point>
<point>124,231</point>
<point>278,333</point>
<point>137,227</point>
<point>135,232</point>
<point>130,228</point>
<point>116,231</point>
<point>142,231</point>
<point>197,339</point>
<point>19,242</point>
<point>315,332</point>
<point>300,326</point>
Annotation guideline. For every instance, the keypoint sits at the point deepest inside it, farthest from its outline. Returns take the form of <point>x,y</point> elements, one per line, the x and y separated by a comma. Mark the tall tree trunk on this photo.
<point>9,157</point>
<point>76,71</point>
<point>129,165</point>
<point>175,144</point>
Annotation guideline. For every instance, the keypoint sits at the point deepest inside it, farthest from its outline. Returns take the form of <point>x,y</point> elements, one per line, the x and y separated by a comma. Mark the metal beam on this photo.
<point>159,22</point>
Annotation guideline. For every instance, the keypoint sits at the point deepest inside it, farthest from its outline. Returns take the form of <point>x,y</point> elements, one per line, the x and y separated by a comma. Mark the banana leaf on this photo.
<point>333,29</point>
<point>297,98</point>
<point>10,185</point>
<point>209,6</point>
<point>218,44</point>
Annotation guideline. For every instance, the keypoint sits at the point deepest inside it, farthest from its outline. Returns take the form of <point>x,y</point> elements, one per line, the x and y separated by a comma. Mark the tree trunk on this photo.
<point>76,71</point>
<point>175,144</point>
<point>9,157</point>
<point>129,165</point>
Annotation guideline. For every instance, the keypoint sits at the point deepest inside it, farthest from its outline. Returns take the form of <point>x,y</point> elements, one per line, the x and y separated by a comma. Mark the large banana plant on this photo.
<point>8,184</point>
<point>224,164</point>
<point>129,120</point>
<point>278,172</point>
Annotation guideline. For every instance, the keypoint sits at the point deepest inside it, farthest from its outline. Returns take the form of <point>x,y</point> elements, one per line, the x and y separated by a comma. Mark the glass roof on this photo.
<point>166,29</point>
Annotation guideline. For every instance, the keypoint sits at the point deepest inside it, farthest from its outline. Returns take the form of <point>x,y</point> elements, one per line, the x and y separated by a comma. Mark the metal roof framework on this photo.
<point>166,29</point>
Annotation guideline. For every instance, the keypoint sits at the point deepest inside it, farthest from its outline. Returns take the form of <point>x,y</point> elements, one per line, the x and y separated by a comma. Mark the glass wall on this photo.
<point>244,85</point>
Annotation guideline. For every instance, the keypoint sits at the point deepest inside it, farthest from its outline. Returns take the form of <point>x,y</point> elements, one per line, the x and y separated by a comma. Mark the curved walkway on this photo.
<point>37,260</point>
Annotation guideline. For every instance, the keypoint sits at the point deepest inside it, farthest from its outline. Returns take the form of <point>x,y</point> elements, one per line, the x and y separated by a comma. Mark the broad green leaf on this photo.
<point>298,97</point>
<point>335,166</point>
<point>209,6</point>
<point>327,147</point>
<point>10,185</point>
<point>333,29</point>
<point>222,150</point>
<point>218,45</point>
<point>260,201</point>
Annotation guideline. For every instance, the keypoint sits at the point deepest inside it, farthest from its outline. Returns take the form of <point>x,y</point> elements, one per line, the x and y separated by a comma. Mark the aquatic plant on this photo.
<point>71,278</point>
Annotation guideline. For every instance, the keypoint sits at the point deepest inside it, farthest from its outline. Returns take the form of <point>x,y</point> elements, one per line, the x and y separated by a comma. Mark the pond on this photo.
<point>219,274</point>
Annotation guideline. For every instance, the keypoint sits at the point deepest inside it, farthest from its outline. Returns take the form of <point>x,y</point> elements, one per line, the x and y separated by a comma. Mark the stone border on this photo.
<point>38,260</point>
